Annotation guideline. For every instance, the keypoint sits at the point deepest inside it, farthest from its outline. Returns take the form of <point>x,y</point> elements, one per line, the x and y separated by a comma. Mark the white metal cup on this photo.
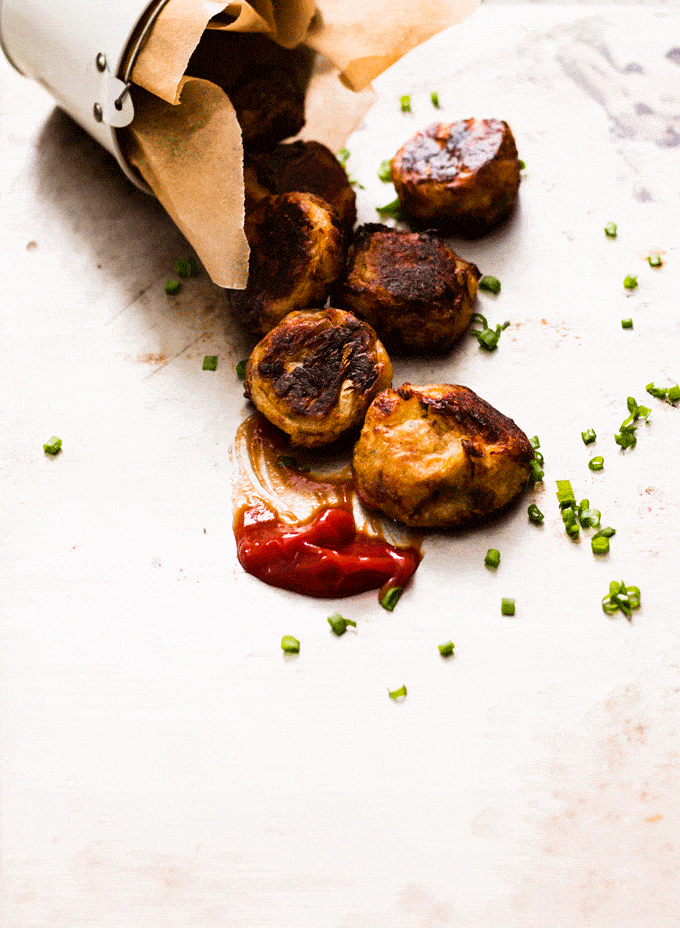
<point>83,54</point>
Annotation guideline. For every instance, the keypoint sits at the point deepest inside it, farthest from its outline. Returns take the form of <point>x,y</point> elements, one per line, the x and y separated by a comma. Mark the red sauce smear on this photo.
<point>326,556</point>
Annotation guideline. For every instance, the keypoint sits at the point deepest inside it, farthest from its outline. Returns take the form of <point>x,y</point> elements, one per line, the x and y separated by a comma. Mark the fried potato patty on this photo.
<point>461,178</point>
<point>306,166</point>
<point>438,456</point>
<point>296,253</point>
<point>414,290</point>
<point>269,108</point>
<point>315,374</point>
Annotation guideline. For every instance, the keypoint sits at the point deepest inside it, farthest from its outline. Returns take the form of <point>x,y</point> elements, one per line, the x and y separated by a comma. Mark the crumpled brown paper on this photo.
<point>185,139</point>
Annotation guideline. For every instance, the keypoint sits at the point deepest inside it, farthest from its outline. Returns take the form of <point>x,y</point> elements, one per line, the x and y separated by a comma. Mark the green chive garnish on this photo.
<point>290,645</point>
<point>610,230</point>
<point>599,545</point>
<point>492,558</point>
<point>446,649</point>
<point>53,446</point>
<point>534,442</point>
<point>588,436</point>
<point>405,103</point>
<point>596,463</point>
<point>395,694</point>
<point>241,368</point>
<point>535,514</point>
<point>522,165</point>
<point>626,323</point>
<point>210,362</point>
<point>487,337</point>
<point>186,267</point>
<point>630,282</point>
<point>490,283</point>
<point>391,210</point>
<point>565,494</point>
<point>671,394</point>
<point>339,624</point>
<point>173,286</point>
<point>342,155</point>
<point>625,598</point>
<point>434,99</point>
<point>391,598</point>
<point>385,172</point>
<point>654,260</point>
<point>507,607</point>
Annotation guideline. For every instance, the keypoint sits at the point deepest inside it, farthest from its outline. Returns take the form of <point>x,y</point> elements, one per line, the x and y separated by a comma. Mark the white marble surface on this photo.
<point>161,762</point>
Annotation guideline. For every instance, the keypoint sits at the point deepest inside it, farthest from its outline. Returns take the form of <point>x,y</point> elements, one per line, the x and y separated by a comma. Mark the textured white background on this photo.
<point>162,764</point>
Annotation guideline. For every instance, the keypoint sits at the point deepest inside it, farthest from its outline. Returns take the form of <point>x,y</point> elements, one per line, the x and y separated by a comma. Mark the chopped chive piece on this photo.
<point>610,230</point>
<point>285,460</point>
<point>241,368</point>
<point>588,436</point>
<point>405,103</point>
<point>487,338</point>
<point>490,283</point>
<point>599,545</point>
<point>522,165</point>
<point>342,155</point>
<point>186,267</point>
<point>565,494</point>
<point>625,598</point>
<point>391,598</point>
<point>535,514</point>
<point>626,323</point>
<point>655,260</point>
<point>492,558</point>
<point>446,649</point>
<point>434,99</point>
<point>596,463</point>
<point>674,393</point>
<point>385,172</point>
<point>507,607</point>
<point>536,473</point>
<point>172,286</point>
<point>53,446</point>
<point>589,518</point>
<point>605,532</point>
<point>290,645</point>
<point>626,437</point>
<point>339,624</point>
<point>395,694</point>
<point>391,210</point>
<point>630,282</point>
<point>210,362</point>
<point>534,442</point>
<point>659,392</point>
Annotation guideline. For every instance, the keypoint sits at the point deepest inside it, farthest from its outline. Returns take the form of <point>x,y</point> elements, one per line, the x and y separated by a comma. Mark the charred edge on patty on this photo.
<point>472,415</point>
<point>329,358</point>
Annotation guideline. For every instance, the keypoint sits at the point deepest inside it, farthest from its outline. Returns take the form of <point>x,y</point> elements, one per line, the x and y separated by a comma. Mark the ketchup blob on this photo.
<point>324,556</point>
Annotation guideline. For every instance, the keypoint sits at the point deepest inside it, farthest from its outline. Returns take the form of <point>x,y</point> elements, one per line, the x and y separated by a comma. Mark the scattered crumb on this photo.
<point>31,246</point>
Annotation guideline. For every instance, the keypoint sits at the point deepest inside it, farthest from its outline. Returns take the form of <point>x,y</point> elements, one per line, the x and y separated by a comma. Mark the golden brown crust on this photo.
<point>297,252</point>
<point>414,290</point>
<point>462,178</point>
<point>315,374</point>
<point>439,456</point>
<point>306,166</point>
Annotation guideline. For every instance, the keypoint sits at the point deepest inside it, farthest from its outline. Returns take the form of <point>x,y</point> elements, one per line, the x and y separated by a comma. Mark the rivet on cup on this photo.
<point>98,112</point>
<point>100,61</point>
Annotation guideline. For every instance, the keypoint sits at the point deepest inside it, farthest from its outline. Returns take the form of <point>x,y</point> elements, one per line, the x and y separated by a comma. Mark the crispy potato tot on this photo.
<point>414,290</point>
<point>306,166</point>
<point>439,456</point>
<point>269,108</point>
<point>297,252</point>
<point>315,374</point>
<point>462,178</point>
